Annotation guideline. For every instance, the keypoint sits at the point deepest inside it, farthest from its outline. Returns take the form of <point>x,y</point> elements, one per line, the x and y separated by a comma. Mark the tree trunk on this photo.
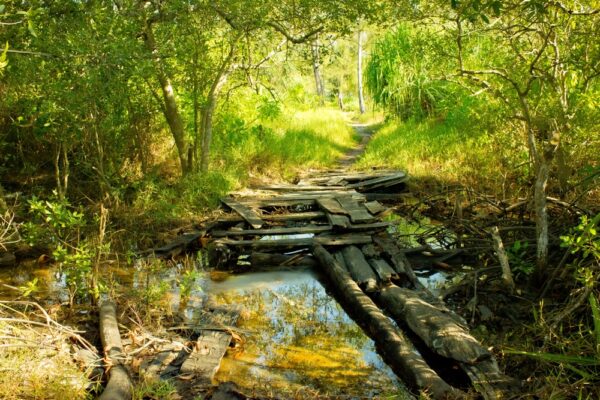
<point>361,100</point>
<point>61,170</point>
<point>171,109</point>
<point>211,105</point>
<point>316,64</point>
<point>207,117</point>
<point>541,217</point>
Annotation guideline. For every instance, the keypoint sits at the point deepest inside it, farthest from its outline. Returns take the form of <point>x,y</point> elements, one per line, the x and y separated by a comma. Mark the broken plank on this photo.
<point>277,217</point>
<point>338,240</point>
<point>388,180</point>
<point>358,213</point>
<point>398,259</point>
<point>273,231</point>
<point>332,206</point>
<point>205,359</point>
<point>375,207</point>
<point>340,221</point>
<point>293,188</point>
<point>359,268</point>
<point>247,213</point>
<point>383,270</point>
<point>264,260</point>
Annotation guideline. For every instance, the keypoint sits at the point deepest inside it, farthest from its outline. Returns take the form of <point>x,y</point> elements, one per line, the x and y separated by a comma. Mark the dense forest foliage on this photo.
<point>127,116</point>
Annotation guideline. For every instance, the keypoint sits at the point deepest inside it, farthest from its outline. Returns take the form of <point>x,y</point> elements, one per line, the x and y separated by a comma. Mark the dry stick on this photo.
<point>503,258</point>
<point>119,386</point>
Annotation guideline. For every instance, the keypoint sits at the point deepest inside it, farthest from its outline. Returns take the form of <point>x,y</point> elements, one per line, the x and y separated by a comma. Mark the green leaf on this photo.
<point>31,28</point>
<point>596,317</point>
<point>2,8</point>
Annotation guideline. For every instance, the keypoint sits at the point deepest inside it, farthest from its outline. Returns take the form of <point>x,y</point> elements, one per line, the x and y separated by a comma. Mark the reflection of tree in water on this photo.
<point>302,338</point>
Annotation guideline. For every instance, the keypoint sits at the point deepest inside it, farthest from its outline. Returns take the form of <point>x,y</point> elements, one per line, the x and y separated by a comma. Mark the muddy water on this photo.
<point>296,340</point>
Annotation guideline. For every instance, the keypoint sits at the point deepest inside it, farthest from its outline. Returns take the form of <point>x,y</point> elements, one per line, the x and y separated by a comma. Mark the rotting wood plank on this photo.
<point>338,240</point>
<point>383,181</point>
<point>359,268</point>
<point>386,196</point>
<point>299,188</point>
<point>302,216</point>
<point>383,270</point>
<point>247,213</point>
<point>260,260</point>
<point>391,343</point>
<point>375,207</point>
<point>337,220</point>
<point>376,226</point>
<point>273,231</point>
<point>211,346</point>
<point>398,259</point>
<point>290,201</point>
<point>332,206</point>
<point>358,212</point>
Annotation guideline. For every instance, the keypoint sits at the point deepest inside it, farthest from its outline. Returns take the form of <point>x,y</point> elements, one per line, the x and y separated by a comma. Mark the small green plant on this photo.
<point>155,390</point>
<point>187,282</point>
<point>56,222</point>
<point>517,254</point>
<point>29,287</point>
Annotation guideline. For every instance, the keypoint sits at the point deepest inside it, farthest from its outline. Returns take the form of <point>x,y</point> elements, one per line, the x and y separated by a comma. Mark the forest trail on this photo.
<point>364,132</point>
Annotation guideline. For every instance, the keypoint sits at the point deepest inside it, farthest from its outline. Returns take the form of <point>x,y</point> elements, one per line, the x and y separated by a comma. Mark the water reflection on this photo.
<point>299,340</point>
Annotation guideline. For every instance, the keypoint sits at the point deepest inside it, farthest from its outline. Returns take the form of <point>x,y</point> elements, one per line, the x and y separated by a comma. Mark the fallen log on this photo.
<point>119,384</point>
<point>439,331</point>
<point>443,335</point>
<point>359,268</point>
<point>392,344</point>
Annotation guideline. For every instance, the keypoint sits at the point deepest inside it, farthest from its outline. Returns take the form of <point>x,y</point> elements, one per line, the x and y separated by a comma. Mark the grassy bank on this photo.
<point>243,152</point>
<point>434,150</point>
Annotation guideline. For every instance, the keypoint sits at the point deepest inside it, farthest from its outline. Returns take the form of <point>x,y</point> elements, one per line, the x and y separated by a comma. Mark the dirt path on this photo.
<point>364,132</point>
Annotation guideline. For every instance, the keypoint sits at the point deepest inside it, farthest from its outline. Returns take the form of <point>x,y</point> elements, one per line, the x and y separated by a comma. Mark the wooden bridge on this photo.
<point>334,221</point>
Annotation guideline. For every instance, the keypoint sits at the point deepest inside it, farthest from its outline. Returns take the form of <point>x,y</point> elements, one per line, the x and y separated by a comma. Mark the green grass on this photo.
<point>437,150</point>
<point>243,152</point>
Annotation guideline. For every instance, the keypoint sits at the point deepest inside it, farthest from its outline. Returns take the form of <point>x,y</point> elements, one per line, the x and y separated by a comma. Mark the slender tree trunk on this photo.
<point>196,106</point>
<point>207,118</point>
<point>171,109</point>
<point>361,99</point>
<point>211,104</point>
<point>61,170</point>
<point>316,64</point>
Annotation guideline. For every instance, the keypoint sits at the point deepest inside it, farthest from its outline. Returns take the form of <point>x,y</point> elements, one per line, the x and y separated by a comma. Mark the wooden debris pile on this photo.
<point>334,221</point>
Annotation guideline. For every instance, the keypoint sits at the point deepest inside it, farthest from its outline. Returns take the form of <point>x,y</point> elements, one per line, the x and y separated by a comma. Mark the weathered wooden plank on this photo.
<point>342,240</point>
<point>247,213</point>
<point>332,206</point>
<point>338,240</point>
<point>383,181</point>
<point>277,217</point>
<point>375,207</point>
<point>395,348</point>
<point>273,231</point>
<point>398,259</point>
<point>263,260</point>
<point>359,268</point>
<point>337,220</point>
<point>386,196</point>
<point>298,188</point>
<point>383,270</point>
<point>205,359</point>
<point>368,227</point>
<point>358,213</point>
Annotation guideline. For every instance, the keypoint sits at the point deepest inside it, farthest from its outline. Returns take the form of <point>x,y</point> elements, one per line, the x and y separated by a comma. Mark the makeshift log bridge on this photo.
<point>334,222</point>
